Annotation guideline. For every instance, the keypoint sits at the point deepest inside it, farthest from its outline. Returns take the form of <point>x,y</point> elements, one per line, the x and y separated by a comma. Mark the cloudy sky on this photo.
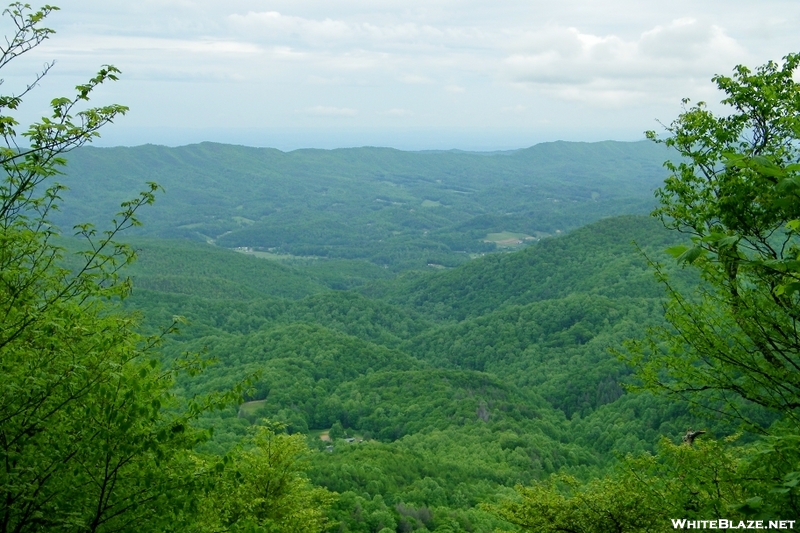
<point>468,74</point>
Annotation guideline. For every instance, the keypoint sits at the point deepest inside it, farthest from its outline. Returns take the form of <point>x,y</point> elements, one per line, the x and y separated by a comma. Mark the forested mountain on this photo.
<point>423,394</point>
<point>395,209</point>
<point>438,326</point>
<point>369,340</point>
<point>598,259</point>
<point>461,382</point>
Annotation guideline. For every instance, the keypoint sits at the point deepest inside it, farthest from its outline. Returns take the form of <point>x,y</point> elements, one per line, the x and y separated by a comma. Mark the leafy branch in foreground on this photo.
<point>642,494</point>
<point>736,193</point>
<point>92,438</point>
<point>732,345</point>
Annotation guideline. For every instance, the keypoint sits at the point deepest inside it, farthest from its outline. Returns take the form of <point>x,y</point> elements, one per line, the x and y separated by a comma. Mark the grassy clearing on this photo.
<point>250,408</point>
<point>273,256</point>
<point>508,239</point>
<point>321,434</point>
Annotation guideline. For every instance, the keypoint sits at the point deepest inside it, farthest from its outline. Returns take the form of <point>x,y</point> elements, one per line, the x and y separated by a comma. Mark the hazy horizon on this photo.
<point>315,140</point>
<point>470,75</point>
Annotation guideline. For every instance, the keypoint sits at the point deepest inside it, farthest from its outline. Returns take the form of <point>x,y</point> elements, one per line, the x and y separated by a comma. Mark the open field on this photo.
<point>250,408</point>
<point>270,255</point>
<point>509,239</point>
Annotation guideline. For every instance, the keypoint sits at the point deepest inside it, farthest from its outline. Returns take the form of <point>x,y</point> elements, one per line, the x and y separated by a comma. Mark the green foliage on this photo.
<point>642,494</point>
<point>731,344</point>
<point>175,266</point>
<point>454,385</point>
<point>263,489</point>
<point>92,435</point>
<point>368,205</point>
<point>556,347</point>
<point>83,435</point>
<point>389,405</point>
<point>300,367</point>
<point>734,192</point>
<point>449,472</point>
<point>535,354</point>
<point>438,434</point>
<point>599,258</point>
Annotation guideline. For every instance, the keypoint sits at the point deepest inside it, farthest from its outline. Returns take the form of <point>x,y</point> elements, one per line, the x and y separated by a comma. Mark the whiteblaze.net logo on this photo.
<point>732,524</point>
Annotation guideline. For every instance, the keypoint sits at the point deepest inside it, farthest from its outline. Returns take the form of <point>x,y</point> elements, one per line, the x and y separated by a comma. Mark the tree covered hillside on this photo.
<point>599,259</point>
<point>325,343</point>
<point>455,385</point>
<point>395,209</point>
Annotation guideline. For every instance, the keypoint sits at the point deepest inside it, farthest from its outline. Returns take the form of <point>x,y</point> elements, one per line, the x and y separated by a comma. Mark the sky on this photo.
<point>413,75</point>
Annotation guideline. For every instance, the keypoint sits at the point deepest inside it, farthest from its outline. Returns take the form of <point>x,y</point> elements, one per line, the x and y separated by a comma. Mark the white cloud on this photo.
<point>129,45</point>
<point>287,53</point>
<point>684,38</point>
<point>610,70</point>
<point>272,23</point>
<point>355,60</point>
<point>397,112</point>
<point>327,111</point>
<point>414,79</point>
<point>549,67</point>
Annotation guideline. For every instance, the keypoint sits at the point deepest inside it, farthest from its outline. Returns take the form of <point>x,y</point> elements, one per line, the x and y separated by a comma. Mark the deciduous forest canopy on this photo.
<point>370,340</point>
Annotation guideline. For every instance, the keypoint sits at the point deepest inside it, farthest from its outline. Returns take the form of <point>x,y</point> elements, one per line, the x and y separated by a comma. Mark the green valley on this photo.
<point>425,365</point>
<point>399,210</point>
<point>566,338</point>
<point>454,385</point>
